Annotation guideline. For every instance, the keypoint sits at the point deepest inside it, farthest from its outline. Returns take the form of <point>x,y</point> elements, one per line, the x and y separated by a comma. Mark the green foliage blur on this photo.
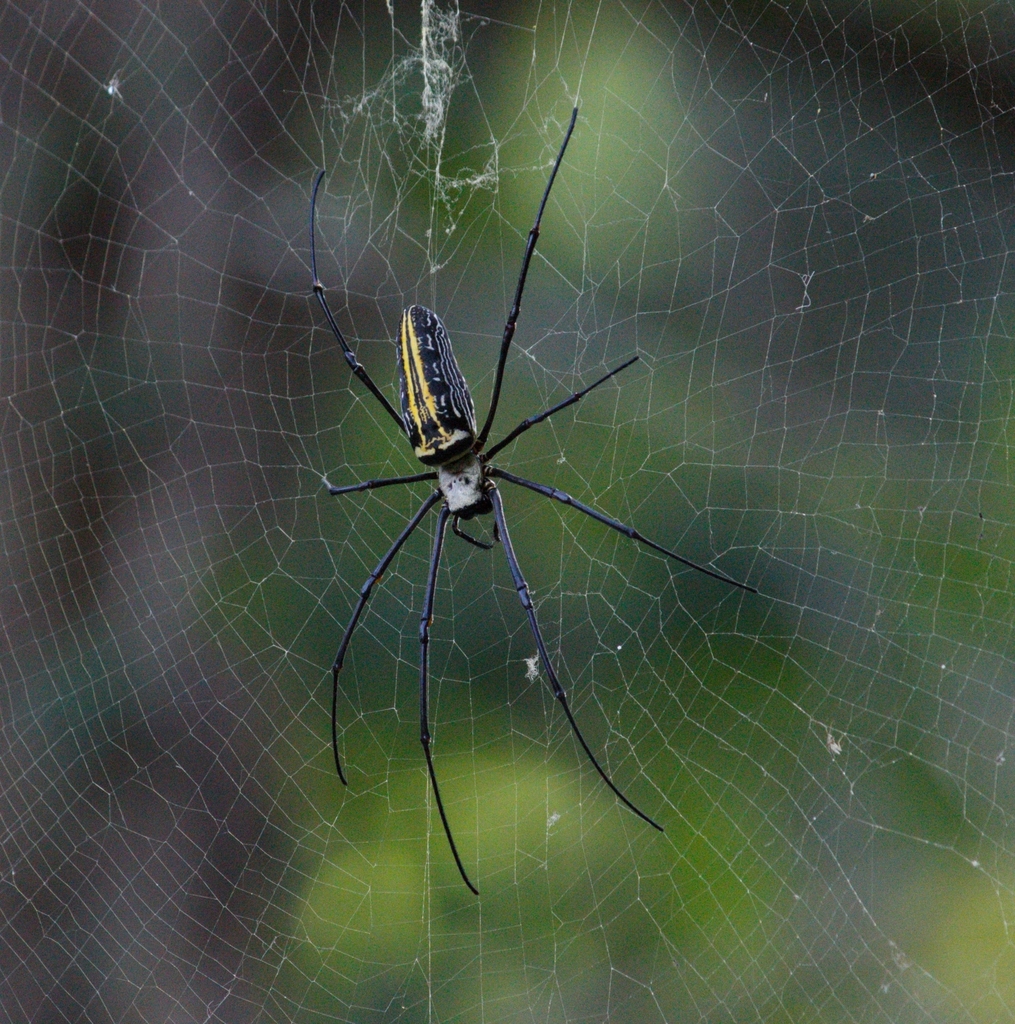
<point>801,226</point>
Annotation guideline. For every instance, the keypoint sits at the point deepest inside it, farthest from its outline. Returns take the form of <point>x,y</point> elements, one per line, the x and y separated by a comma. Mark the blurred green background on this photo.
<point>799,219</point>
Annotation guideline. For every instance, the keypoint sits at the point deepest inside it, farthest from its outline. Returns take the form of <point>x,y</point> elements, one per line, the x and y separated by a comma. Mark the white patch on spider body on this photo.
<point>461,483</point>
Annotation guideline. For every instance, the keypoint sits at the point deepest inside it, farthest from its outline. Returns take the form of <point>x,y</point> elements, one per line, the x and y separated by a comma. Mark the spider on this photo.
<point>439,420</point>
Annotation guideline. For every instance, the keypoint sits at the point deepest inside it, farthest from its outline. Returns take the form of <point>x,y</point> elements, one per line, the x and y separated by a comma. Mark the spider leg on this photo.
<point>459,532</point>
<point>350,356</point>
<point>627,531</point>
<point>509,327</point>
<point>369,485</point>
<point>558,691</point>
<point>424,661</point>
<point>364,595</point>
<point>533,420</point>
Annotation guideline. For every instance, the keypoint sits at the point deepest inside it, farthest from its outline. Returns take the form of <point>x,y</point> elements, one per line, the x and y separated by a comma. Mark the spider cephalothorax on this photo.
<point>439,419</point>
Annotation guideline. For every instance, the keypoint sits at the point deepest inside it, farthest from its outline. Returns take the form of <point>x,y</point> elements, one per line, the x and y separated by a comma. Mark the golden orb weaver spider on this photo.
<point>439,419</point>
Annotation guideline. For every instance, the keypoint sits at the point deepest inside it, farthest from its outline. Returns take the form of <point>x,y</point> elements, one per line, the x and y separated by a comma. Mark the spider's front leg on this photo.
<point>614,524</point>
<point>482,544</point>
<point>558,691</point>
<point>424,667</point>
<point>364,596</point>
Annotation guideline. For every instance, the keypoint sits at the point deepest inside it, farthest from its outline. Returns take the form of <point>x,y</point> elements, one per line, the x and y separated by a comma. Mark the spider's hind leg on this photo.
<point>369,485</point>
<point>512,320</point>
<point>350,356</point>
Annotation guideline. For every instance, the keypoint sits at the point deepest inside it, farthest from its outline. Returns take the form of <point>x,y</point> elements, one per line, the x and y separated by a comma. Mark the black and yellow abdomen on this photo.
<point>437,408</point>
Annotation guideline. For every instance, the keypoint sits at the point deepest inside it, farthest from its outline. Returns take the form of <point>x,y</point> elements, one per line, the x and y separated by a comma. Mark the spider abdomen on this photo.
<point>437,408</point>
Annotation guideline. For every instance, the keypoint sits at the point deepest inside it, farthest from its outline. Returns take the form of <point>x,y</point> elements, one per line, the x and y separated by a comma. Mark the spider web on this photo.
<point>798,217</point>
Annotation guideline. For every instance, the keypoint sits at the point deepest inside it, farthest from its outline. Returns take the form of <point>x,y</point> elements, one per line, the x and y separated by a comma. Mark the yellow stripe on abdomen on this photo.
<point>436,405</point>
